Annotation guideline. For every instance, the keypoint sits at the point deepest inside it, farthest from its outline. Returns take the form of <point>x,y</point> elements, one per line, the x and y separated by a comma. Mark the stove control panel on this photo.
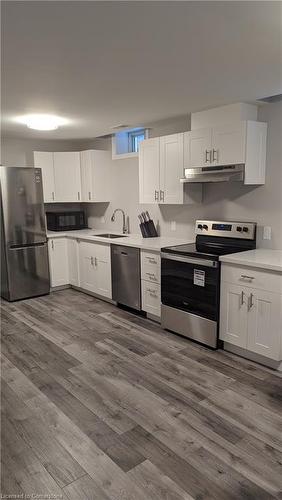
<point>242,230</point>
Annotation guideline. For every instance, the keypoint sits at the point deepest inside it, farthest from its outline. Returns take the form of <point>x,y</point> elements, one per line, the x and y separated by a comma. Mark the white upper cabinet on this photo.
<point>161,162</point>
<point>95,175</point>
<point>228,144</point>
<point>75,176</point>
<point>197,148</point>
<point>45,161</point>
<point>149,171</point>
<point>239,142</point>
<point>171,168</point>
<point>67,176</point>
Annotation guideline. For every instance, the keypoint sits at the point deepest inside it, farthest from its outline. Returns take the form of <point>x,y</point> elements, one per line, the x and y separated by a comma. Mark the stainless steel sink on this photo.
<point>109,235</point>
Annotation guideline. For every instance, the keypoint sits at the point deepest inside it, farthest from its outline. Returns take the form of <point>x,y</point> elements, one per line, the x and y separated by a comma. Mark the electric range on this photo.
<point>190,278</point>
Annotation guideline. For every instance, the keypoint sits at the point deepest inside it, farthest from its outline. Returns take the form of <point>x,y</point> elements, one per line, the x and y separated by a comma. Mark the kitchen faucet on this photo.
<point>125,228</point>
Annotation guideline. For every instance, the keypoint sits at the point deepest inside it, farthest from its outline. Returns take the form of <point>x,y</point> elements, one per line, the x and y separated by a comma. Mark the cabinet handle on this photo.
<point>156,195</point>
<point>89,195</point>
<point>152,276</point>
<point>242,298</point>
<point>53,195</point>
<point>52,244</point>
<point>151,260</point>
<point>78,195</point>
<point>206,157</point>
<point>215,153</point>
<point>246,277</point>
<point>250,301</point>
<point>95,261</point>
<point>161,195</point>
<point>92,261</point>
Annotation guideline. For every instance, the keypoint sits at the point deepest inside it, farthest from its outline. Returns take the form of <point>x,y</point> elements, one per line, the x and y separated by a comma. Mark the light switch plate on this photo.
<point>102,219</point>
<point>267,232</point>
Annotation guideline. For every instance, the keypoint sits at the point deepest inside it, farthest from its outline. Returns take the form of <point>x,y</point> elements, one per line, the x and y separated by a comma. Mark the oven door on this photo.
<point>190,284</point>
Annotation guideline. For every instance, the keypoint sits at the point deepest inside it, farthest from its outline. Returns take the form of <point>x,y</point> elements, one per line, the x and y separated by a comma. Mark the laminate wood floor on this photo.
<point>100,404</point>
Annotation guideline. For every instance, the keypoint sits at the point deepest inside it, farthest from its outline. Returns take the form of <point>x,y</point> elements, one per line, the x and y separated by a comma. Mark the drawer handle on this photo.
<point>151,276</point>
<point>246,277</point>
<point>151,260</point>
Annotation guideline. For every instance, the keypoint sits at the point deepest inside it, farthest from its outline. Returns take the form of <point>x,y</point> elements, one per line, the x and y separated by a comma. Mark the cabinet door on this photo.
<point>45,161</point>
<point>86,176</point>
<point>265,323</point>
<point>67,176</point>
<point>197,148</point>
<point>58,261</point>
<point>149,171</point>
<point>102,262</point>
<point>228,144</point>
<point>87,272</point>
<point>233,314</point>
<point>171,169</point>
<point>72,246</point>
<point>151,298</point>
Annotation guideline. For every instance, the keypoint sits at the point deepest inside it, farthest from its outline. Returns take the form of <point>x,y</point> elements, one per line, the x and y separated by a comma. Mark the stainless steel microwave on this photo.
<point>65,221</point>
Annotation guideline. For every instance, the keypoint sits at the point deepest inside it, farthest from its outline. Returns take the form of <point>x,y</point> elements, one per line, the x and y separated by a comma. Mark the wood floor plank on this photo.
<point>156,484</point>
<point>85,488</point>
<point>60,464</point>
<point>101,404</point>
<point>256,420</point>
<point>29,473</point>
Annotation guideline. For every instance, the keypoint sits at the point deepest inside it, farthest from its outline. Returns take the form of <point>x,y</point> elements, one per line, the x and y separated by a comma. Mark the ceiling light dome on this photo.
<point>42,121</point>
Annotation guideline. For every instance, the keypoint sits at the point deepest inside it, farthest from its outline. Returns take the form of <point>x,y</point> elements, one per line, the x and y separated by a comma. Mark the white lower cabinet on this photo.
<point>95,268</point>
<point>58,261</point>
<point>265,324</point>
<point>73,261</point>
<point>150,282</point>
<point>233,314</point>
<point>251,318</point>
<point>151,298</point>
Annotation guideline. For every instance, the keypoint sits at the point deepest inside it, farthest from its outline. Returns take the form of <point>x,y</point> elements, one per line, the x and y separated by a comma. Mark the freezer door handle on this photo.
<point>28,245</point>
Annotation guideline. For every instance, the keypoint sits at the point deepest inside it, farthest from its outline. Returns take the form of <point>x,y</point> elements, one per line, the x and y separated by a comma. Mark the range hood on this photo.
<point>214,174</point>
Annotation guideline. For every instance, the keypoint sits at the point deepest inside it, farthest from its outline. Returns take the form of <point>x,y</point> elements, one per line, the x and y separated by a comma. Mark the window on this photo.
<point>134,139</point>
<point>125,143</point>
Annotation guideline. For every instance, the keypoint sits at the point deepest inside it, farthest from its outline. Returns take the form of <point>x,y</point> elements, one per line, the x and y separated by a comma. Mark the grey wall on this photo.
<point>232,201</point>
<point>222,201</point>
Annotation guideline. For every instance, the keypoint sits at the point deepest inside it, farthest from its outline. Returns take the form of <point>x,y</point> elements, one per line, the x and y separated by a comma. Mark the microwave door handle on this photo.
<point>190,260</point>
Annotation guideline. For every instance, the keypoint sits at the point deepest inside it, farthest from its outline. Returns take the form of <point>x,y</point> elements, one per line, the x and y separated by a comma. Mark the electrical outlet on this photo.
<point>173,225</point>
<point>267,232</point>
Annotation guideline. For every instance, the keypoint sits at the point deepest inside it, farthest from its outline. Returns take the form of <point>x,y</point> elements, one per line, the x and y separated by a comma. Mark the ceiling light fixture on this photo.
<point>42,121</point>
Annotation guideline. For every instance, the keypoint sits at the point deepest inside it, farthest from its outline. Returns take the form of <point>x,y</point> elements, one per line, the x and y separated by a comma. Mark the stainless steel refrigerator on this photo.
<point>24,252</point>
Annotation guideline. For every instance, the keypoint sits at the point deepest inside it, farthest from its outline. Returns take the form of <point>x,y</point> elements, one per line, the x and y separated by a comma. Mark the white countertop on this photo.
<point>132,240</point>
<point>261,258</point>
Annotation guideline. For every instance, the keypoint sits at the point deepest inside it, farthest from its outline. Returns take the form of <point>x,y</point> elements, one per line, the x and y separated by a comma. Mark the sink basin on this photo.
<point>109,235</point>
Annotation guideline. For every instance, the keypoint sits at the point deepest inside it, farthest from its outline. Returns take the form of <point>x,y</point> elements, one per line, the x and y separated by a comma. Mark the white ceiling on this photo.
<point>104,63</point>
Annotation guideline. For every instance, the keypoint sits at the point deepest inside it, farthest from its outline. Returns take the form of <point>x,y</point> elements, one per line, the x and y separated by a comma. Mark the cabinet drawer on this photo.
<point>151,267</point>
<point>250,277</point>
<point>151,298</point>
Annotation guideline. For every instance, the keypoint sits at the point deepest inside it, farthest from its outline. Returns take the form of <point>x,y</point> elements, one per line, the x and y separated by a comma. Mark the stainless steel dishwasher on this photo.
<point>126,278</point>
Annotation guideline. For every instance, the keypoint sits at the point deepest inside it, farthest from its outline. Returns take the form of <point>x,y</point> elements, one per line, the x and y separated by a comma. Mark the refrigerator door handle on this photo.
<point>17,247</point>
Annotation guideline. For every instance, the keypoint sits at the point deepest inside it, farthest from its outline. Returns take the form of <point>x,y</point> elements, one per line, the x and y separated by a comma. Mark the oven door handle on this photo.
<point>190,260</point>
